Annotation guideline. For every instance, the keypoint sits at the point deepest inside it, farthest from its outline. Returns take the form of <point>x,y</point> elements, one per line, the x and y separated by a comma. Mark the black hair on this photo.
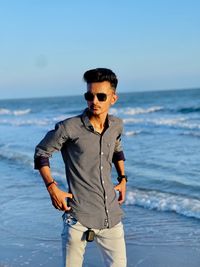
<point>101,75</point>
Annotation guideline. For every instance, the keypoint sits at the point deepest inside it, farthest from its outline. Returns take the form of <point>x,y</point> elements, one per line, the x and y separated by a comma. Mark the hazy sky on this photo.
<point>46,45</point>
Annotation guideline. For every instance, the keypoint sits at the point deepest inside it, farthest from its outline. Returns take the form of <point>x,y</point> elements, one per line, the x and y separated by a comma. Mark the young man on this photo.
<point>89,143</point>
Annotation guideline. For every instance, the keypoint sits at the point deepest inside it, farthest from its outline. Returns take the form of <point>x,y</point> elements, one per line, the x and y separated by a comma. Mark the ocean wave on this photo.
<point>178,122</point>
<point>25,159</point>
<point>131,133</point>
<point>33,121</point>
<point>19,112</point>
<point>175,122</point>
<point>155,200</point>
<point>182,122</point>
<point>192,133</point>
<point>186,110</point>
<point>135,111</point>
<point>133,120</point>
<point>29,122</point>
<point>168,121</point>
<point>16,158</point>
<point>153,109</point>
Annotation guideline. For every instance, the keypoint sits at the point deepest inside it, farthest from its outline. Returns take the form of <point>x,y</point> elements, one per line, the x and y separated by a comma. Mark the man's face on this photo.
<point>95,105</point>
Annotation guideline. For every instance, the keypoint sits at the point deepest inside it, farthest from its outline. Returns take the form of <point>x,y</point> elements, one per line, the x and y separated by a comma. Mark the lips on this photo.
<point>94,107</point>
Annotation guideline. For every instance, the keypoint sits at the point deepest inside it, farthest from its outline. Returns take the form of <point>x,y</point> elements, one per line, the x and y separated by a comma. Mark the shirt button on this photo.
<point>103,181</point>
<point>101,167</point>
<point>101,153</point>
<point>105,197</point>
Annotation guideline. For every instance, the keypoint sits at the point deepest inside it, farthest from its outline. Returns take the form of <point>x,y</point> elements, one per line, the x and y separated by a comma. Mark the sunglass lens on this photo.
<point>101,96</point>
<point>89,96</point>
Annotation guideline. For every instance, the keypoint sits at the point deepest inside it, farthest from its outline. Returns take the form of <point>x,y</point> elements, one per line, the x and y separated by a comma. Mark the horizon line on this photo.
<point>76,95</point>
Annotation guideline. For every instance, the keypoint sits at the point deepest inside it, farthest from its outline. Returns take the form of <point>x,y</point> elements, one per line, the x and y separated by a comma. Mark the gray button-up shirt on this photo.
<point>88,158</point>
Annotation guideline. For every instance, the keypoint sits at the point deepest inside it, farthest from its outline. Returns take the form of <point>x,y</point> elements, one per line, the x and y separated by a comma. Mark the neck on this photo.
<point>98,122</point>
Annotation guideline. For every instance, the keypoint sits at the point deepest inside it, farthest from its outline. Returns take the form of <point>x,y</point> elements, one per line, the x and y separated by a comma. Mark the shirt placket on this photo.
<point>106,220</point>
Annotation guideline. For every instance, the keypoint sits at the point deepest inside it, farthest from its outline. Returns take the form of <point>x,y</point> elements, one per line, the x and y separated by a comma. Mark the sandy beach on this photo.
<point>138,256</point>
<point>159,248</point>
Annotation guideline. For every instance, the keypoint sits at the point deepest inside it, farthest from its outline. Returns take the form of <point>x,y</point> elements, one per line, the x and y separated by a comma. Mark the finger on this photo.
<point>121,198</point>
<point>120,201</point>
<point>56,206</point>
<point>65,207</point>
<point>61,207</point>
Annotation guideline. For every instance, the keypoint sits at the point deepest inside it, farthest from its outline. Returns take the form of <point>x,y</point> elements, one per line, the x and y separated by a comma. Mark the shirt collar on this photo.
<point>87,123</point>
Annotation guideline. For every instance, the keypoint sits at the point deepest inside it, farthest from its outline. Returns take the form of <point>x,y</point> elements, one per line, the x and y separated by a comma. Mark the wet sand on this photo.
<point>138,256</point>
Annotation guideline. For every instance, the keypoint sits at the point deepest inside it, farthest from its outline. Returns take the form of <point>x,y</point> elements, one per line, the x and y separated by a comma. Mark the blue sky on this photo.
<point>46,45</point>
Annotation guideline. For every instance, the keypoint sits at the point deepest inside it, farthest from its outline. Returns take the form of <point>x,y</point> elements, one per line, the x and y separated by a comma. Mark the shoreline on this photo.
<point>137,255</point>
<point>153,239</point>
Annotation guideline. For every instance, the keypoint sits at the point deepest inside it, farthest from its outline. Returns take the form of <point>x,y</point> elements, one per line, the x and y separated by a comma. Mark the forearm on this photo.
<point>121,186</point>
<point>58,196</point>
<point>120,168</point>
<point>45,172</point>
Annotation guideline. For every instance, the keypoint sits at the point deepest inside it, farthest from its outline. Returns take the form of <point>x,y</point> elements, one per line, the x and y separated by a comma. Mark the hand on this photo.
<point>58,198</point>
<point>121,188</point>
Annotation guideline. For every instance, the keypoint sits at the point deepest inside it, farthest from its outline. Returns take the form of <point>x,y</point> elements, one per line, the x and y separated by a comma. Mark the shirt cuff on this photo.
<point>117,156</point>
<point>40,162</point>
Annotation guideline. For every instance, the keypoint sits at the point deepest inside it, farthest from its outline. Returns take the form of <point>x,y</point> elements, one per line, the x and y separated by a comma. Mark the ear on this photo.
<point>114,99</point>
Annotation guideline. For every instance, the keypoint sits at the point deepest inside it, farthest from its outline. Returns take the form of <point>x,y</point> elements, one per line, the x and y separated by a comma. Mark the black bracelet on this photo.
<point>119,178</point>
<point>47,185</point>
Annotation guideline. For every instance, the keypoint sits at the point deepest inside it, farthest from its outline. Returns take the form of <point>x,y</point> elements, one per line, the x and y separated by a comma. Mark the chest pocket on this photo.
<point>110,147</point>
<point>85,145</point>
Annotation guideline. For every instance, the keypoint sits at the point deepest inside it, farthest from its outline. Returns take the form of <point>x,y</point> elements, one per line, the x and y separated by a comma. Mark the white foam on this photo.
<point>4,111</point>
<point>161,201</point>
<point>131,133</point>
<point>159,121</point>
<point>171,122</point>
<point>177,122</point>
<point>17,122</point>
<point>168,121</point>
<point>135,111</point>
<point>19,112</point>
<point>133,120</point>
<point>62,117</point>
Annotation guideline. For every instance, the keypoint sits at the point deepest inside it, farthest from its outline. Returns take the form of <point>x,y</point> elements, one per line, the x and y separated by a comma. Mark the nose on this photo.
<point>95,100</point>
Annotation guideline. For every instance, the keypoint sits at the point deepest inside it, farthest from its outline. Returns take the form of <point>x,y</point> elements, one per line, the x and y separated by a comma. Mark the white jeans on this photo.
<point>110,241</point>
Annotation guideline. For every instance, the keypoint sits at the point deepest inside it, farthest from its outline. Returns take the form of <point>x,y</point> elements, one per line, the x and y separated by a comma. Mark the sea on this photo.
<point>161,142</point>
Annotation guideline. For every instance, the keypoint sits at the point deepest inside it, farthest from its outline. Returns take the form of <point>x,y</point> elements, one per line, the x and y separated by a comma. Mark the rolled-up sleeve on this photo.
<point>118,152</point>
<point>40,162</point>
<point>52,142</point>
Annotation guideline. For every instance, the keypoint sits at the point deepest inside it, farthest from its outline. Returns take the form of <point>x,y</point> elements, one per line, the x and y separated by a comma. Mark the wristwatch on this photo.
<point>119,178</point>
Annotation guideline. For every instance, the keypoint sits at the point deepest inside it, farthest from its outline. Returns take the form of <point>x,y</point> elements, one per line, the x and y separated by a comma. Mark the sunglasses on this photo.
<point>100,96</point>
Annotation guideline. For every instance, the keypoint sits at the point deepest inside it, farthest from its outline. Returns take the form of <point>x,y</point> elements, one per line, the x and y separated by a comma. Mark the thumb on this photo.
<point>116,187</point>
<point>69,195</point>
